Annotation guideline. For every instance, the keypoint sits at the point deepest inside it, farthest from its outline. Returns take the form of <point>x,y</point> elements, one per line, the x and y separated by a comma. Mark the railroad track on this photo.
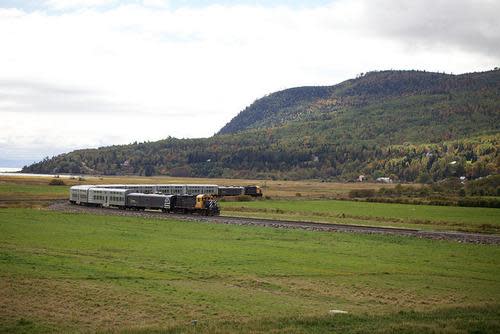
<point>312,226</point>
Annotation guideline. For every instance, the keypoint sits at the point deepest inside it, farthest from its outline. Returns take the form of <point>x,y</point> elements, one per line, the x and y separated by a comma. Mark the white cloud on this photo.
<point>77,4</point>
<point>143,71</point>
<point>156,3</point>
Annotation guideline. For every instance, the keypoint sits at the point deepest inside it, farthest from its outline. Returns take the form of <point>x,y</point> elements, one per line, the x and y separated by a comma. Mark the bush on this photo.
<point>56,182</point>
<point>480,202</point>
<point>361,193</point>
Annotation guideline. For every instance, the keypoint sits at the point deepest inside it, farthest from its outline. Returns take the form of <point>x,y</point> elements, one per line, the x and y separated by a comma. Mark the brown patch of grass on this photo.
<point>80,304</point>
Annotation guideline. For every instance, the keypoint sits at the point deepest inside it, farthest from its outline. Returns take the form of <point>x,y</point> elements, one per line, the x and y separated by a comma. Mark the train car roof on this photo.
<point>82,186</point>
<point>202,185</point>
<point>170,184</point>
<point>110,189</point>
<point>149,195</point>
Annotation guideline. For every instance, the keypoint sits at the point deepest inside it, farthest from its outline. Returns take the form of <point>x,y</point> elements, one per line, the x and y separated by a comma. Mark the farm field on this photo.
<point>485,220</point>
<point>310,189</point>
<point>22,191</point>
<point>79,272</point>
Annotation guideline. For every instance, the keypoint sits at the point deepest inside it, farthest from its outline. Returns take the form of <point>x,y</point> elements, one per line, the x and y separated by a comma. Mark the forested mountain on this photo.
<point>409,125</point>
<point>390,101</point>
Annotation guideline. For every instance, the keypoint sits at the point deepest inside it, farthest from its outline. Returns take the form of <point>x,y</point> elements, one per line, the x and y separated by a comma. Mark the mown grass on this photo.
<point>77,272</point>
<point>368,213</point>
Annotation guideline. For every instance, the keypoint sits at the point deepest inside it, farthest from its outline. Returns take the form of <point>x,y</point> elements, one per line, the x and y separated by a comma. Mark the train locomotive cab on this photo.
<point>207,205</point>
<point>254,191</point>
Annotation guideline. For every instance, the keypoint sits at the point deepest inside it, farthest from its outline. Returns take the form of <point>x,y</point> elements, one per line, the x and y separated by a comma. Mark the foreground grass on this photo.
<point>454,320</point>
<point>378,214</point>
<point>69,272</point>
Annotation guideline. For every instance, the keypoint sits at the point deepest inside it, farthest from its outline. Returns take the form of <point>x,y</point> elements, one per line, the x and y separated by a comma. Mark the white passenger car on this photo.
<point>171,189</point>
<point>207,189</point>
<point>108,196</point>
<point>142,188</point>
<point>79,194</point>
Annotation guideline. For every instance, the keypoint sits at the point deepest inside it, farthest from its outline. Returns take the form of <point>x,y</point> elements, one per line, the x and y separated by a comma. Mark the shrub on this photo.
<point>56,182</point>
<point>480,202</point>
<point>364,193</point>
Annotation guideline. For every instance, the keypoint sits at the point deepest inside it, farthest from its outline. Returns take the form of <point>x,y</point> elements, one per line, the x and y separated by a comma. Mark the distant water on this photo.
<point>9,169</point>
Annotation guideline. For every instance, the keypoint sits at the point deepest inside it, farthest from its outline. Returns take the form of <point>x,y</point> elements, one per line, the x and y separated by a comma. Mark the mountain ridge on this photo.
<point>389,82</point>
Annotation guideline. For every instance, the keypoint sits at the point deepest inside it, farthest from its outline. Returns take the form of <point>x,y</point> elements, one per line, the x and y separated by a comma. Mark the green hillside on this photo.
<point>410,125</point>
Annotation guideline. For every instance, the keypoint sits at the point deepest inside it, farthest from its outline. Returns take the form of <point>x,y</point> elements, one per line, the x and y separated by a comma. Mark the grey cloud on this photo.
<point>471,25</point>
<point>23,96</point>
<point>32,96</point>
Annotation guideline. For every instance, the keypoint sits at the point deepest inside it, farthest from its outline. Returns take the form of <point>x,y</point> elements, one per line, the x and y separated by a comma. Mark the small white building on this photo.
<point>384,179</point>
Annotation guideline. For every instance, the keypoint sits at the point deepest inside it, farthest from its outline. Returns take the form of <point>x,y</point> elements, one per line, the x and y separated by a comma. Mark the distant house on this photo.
<point>384,179</point>
<point>361,178</point>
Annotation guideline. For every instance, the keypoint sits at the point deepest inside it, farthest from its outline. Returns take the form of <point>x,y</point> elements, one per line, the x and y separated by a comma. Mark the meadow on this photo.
<point>427,217</point>
<point>64,272</point>
<point>319,202</point>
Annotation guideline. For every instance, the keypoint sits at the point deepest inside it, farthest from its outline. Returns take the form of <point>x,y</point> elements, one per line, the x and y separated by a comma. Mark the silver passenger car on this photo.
<point>171,189</point>
<point>108,196</point>
<point>207,189</point>
<point>79,194</point>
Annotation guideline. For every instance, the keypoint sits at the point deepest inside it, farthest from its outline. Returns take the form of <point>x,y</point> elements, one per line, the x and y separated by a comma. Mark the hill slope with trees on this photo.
<point>409,125</point>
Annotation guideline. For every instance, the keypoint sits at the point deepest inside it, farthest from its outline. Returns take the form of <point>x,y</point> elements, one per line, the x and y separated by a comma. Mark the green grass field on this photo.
<point>78,272</point>
<point>378,214</point>
<point>34,189</point>
<point>35,192</point>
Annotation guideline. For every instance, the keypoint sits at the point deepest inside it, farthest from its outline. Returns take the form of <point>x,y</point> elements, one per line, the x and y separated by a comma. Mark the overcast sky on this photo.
<point>89,73</point>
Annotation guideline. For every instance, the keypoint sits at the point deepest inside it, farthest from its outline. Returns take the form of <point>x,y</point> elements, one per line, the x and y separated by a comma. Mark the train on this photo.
<point>130,199</point>
<point>254,191</point>
<point>188,189</point>
<point>179,198</point>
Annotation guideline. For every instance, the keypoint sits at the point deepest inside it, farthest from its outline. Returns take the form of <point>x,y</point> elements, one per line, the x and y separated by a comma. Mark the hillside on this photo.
<point>409,125</point>
<point>401,99</point>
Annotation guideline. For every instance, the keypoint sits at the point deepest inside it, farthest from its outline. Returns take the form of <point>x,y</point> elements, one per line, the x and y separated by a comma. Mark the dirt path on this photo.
<point>455,236</point>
